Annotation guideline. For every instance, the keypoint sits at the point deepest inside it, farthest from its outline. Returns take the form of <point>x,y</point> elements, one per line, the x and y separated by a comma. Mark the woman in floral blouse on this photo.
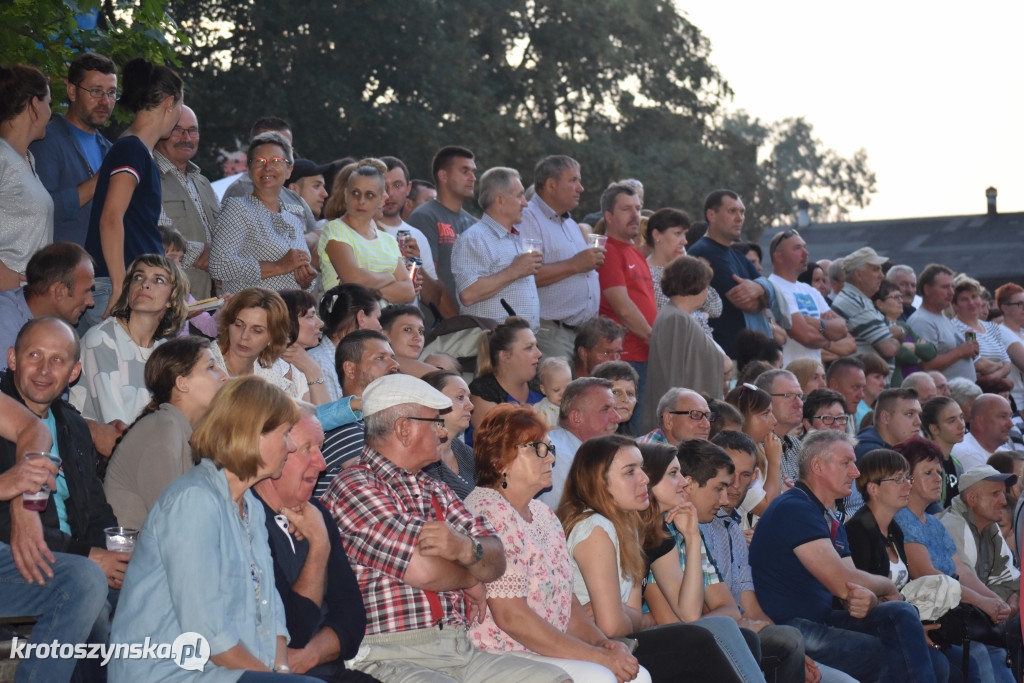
<point>532,610</point>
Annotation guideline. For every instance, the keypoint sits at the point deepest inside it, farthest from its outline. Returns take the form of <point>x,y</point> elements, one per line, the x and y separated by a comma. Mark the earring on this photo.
<point>504,480</point>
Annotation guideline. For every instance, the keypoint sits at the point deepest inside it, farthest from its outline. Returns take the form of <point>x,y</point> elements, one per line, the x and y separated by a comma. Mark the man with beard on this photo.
<point>68,158</point>
<point>189,203</point>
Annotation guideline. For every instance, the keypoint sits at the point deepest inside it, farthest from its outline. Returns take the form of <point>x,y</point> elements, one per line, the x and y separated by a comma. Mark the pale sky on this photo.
<point>933,91</point>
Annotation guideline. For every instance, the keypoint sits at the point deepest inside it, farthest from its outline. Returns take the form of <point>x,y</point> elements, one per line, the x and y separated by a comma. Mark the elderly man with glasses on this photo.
<point>682,415</point>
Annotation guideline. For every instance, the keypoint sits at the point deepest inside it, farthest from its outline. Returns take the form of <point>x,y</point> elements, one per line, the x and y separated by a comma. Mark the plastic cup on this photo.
<point>532,246</point>
<point>597,241</point>
<point>121,539</point>
<point>37,501</point>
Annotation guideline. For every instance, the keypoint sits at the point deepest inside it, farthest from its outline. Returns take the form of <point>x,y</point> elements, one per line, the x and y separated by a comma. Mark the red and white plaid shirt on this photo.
<point>380,509</point>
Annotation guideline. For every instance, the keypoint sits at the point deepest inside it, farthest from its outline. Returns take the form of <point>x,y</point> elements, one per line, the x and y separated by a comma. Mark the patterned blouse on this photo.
<point>248,232</point>
<point>537,567</point>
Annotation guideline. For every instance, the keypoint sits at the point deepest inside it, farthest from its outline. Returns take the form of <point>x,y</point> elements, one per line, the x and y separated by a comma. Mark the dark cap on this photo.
<point>304,168</point>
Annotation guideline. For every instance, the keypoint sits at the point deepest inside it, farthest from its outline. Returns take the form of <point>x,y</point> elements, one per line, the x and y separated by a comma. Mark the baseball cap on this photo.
<point>393,390</point>
<point>983,473</point>
<point>861,258</point>
<point>304,168</point>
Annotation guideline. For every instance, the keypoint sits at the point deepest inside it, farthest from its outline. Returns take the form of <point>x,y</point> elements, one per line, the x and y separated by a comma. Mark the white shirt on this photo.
<point>805,300</point>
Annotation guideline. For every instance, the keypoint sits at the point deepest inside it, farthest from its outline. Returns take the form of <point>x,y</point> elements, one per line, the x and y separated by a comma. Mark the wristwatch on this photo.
<point>478,550</point>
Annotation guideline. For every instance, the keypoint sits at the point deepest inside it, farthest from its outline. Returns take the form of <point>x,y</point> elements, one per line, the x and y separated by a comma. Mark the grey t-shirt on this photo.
<point>938,329</point>
<point>441,226</point>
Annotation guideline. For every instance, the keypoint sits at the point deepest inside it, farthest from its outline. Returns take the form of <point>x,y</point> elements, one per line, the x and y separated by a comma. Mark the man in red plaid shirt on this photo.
<point>420,557</point>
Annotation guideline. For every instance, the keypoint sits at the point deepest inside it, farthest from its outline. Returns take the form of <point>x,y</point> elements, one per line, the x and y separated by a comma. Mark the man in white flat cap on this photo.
<point>419,555</point>
<point>865,322</point>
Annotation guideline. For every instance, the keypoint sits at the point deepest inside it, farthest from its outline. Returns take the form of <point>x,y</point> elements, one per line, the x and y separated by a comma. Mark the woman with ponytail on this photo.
<point>26,222</point>
<point>507,359</point>
<point>182,376</point>
<point>127,203</point>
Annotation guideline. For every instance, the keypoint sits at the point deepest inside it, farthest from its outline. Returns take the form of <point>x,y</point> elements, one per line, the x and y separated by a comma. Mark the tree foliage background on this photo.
<point>627,87</point>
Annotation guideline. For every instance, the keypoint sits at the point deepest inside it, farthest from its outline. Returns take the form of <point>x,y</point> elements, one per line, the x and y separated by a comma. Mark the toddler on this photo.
<point>555,375</point>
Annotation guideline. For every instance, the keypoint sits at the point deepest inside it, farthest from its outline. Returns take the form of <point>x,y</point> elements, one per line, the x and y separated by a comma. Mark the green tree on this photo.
<point>48,33</point>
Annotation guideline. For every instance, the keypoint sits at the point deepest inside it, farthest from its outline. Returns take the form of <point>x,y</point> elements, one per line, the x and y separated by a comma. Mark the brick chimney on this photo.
<point>990,195</point>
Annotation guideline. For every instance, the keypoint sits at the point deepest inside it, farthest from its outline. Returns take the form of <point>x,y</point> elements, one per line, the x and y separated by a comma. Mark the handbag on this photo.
<point>968,623</point>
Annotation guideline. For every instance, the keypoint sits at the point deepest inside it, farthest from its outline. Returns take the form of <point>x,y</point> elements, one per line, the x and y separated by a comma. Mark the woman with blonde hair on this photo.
<point>809,372</point>
<point>352,248</point>
<point>151,308</point>
<point>202,564</point>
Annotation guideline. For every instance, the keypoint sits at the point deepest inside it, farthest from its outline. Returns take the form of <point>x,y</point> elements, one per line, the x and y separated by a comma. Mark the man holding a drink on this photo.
<point>44,359</point>
<point>567,282</point>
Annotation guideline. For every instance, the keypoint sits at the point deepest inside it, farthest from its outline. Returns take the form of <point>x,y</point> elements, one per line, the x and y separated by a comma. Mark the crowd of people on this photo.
<point>367,435</point>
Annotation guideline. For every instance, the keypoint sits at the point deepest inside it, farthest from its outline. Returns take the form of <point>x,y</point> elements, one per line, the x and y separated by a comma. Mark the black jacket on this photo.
<point>87,508</point>
<point>868,546</point>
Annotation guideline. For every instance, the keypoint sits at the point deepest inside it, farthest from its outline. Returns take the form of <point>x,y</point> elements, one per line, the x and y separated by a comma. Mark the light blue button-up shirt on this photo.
<point>199,567</point>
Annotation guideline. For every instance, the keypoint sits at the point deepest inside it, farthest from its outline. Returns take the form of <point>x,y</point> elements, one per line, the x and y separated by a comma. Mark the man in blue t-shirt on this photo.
<point>804,576</point>
<point>743,299</point>
<point>71,154</point>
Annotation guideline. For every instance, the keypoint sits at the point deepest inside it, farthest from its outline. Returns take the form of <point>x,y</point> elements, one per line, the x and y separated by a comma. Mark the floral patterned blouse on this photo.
<point>537,566</point>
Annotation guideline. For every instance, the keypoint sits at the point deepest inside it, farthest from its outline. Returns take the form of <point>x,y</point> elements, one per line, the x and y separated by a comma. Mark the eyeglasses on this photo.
<point>1013,303</point>
<point>788,397</point>
<point>99,93</point>
<point>541,448</point>
<point>899,481</point>
<point>893,297</point>
<point>192,132</point>
<point>273,161</point>
<point>438,421</point>
<point>695,415</point>
<point>828,420</point>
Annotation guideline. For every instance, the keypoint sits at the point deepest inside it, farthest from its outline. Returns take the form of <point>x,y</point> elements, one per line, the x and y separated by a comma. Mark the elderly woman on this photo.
<point>151,307</point>
<point>456,466</point>
<point>682,354</point>
<point>345,308</point>
<point>26,222</point>
<point>259,240</point>
<point>600,511</point>
<point>253,333</point>
<point>127,202</point>
<point>202,564</point>
<point>929,549</point>
<point>625,380</point>
<point>182,378</point>
<point>353,249</point>
<point>942,421</point>
<point>533,611</point>
<point>876,540</point>
<point>1000,351</point>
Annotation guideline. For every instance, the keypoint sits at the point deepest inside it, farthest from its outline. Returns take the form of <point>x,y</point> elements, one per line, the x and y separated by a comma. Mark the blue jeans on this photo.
<point>734,644</point>
<point>886,645</point>
<point>65,608</point>
<point>100,296</point>
<point>987,665</point>
<point>635,422</point>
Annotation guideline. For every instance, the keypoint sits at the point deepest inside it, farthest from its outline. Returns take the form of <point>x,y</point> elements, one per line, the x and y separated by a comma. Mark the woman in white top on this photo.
<point>26,218</point>
<point>1010,300</point>
<point>352,248</point>
<point>600,511</point>
<point>253,333</point>
<point>999,349</point>
<point>151,308</point>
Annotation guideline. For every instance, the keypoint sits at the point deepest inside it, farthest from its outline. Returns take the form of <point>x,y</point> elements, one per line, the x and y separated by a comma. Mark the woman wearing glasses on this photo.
<point>532,610</point>
<point>26,223</point>
<point>889,303</point>
<point>876,539</point>
<point>128,199</point>
<point>682,355</point>
<point>260,239</point>
<point>352,248</point>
